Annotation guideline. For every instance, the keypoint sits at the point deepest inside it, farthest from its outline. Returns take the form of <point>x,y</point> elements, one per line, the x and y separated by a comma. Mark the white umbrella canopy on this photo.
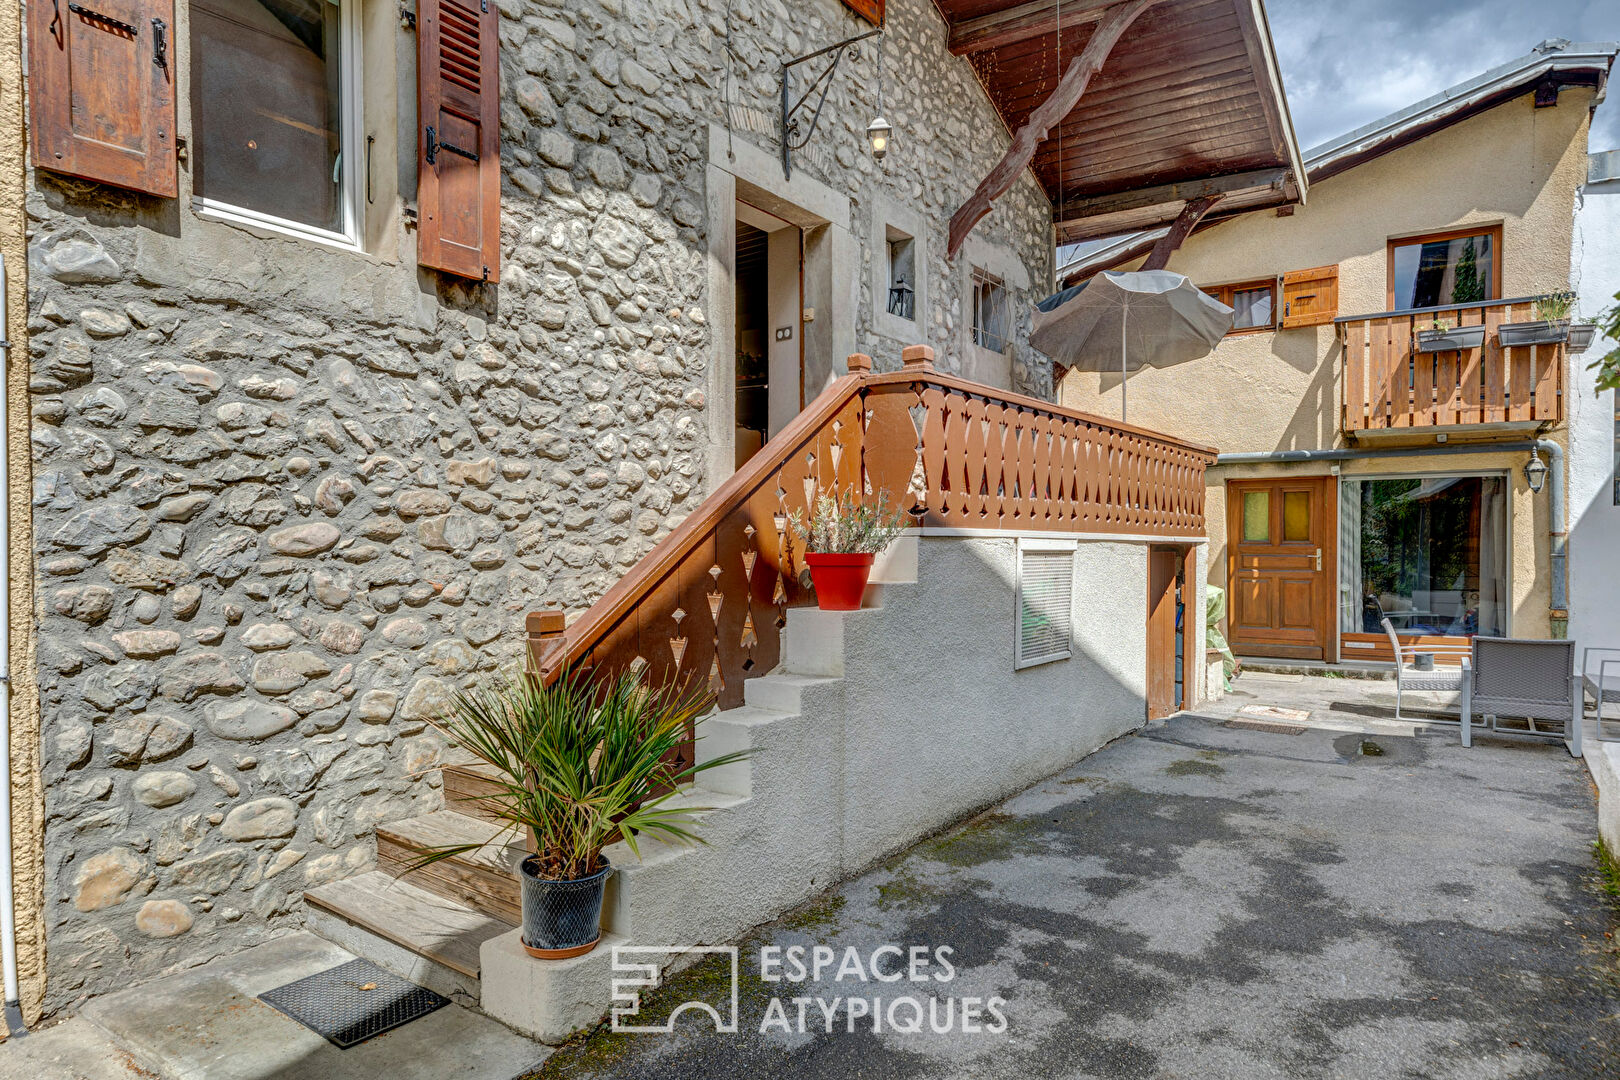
<point>1124,320</point>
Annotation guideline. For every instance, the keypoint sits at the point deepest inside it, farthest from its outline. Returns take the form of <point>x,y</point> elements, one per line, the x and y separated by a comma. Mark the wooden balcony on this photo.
<point>1389,385</point>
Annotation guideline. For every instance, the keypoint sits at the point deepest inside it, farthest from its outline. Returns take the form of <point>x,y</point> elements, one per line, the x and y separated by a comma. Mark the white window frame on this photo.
<point>351,155</point>
<point>1041,546</point>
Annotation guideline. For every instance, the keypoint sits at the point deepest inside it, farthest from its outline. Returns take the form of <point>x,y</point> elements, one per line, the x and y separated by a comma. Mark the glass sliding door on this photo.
<point>1428,553</point>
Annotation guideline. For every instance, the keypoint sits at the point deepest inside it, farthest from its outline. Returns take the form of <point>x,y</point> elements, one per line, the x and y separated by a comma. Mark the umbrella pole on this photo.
<point>1124,370</point>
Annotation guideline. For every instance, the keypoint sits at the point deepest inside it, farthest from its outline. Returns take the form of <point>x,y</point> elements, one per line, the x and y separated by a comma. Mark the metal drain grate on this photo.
<point>352,1002</point>
<point>1266,725</point>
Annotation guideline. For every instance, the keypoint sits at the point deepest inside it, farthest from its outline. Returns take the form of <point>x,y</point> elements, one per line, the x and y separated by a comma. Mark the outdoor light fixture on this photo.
<point>877,133</point>
<point>1535,472</point>
<point>796,134</point>
<point>901,297</point>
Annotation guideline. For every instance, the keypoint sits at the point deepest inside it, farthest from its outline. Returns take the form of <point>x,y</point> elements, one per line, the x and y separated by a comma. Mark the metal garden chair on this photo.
<point>1409,678</point>
<point>1602,682</point>
<point>1532,679</point>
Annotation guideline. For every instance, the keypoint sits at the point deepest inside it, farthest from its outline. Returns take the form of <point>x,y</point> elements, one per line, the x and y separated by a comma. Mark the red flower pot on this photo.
<point>839,579</point>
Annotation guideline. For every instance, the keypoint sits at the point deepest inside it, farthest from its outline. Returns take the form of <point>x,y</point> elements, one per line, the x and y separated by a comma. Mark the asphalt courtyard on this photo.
<point>1198,901</point>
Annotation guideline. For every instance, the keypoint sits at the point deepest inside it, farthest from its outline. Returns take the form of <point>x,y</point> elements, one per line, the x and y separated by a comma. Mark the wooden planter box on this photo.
<point>1452,340</point>
<point>1540,332</point>
<point>1581,336</point>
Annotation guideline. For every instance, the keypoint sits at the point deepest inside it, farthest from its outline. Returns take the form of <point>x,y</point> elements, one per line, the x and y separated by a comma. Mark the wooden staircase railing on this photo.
<point>710,600</point>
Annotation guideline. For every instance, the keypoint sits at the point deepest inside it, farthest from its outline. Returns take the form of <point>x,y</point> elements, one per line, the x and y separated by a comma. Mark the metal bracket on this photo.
<point>160,43</point>
<point>117,24</point>
<point>434,145</point>
<point>406,15</point>
<point>792,136</point>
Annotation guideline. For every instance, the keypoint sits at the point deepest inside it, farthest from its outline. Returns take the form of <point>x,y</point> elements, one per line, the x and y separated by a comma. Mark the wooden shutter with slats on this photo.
<point>458,138</point>
<point>1310,297</point>
<point>101,91</point>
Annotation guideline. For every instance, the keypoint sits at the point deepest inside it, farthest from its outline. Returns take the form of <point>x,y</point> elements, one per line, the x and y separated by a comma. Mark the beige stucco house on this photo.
<point>1361,477</point>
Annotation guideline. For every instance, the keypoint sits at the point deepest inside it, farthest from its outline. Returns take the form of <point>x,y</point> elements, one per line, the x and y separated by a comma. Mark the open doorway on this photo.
<point>769,312</point>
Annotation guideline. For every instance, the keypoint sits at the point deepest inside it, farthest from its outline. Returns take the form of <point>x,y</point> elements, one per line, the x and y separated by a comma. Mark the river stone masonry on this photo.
<point>288,499</point>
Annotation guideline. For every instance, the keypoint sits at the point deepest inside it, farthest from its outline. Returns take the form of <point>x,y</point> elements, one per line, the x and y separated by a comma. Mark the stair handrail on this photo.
<point>554,644</point>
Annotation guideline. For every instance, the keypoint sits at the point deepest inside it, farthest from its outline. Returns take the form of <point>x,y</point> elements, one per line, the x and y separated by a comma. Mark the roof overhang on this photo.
<point>1189,102</point>
<point>1552,66</point>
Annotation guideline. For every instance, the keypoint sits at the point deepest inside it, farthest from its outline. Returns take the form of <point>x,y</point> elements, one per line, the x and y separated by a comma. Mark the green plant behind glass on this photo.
<point>1608,365</point>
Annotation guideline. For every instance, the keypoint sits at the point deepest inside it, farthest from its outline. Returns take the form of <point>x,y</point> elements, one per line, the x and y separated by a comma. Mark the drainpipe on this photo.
<point>1558,609</point>
<point>8,914</point>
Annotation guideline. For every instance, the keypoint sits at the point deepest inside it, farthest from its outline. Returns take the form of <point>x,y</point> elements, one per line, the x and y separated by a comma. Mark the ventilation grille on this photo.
<point>1045,603</point>
<point>459,61</point>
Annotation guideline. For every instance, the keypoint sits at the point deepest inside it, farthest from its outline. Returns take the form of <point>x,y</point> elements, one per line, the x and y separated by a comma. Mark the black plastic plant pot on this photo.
<point>1540,332</point>
<point>561,918</point>
<point>1453,339</point>
<point>1581,336</point>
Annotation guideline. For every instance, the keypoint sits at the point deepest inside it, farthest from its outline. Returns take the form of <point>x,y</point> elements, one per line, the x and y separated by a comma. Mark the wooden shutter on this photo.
<point>458,138</point>
<point>101,91</point>
<point>1310,297</point>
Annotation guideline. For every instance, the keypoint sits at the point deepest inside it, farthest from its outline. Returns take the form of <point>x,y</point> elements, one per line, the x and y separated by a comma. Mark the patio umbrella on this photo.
<point>1121,321</point>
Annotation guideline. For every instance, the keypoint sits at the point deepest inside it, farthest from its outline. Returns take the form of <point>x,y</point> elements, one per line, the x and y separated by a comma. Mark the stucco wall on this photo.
<point>929,685</point>
<point>27,798</point>
<point>1594,519</point>
<point>288,498</point>
<point>1515,165</point>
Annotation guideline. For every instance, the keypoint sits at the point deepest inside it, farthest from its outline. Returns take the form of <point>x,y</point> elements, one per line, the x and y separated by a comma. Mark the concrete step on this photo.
<point>484,879</point>
<point>467,785</point>
<point>418,935</point>
<point>727,733</point>
<point>785,692</point>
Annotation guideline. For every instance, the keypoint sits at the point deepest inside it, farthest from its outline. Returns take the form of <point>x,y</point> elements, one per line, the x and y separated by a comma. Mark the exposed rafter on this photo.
<point>1083,206</point>
<point>1061,102</point>
<point>1021,23</point>
<point>1185,223</point>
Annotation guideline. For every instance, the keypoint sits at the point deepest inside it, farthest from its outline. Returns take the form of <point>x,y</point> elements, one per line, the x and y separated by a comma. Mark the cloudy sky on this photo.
<point>1346,62</point>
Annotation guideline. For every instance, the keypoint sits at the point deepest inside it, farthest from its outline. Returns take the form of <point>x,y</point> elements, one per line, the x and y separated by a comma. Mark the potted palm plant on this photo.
<point>1443,336</point>
<point>1550,326</point>
<point>577,765</point>
<point>841,540</point>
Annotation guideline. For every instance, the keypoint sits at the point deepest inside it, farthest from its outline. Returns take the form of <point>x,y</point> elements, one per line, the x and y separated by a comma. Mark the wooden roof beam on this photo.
<point>1084,206</point>
<point>1020,23</point>
<point>1185,222</point>
<point>1064,98</point>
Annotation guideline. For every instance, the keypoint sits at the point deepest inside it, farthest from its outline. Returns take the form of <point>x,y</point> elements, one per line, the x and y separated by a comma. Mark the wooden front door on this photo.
<point>1280,566</point>
<point>1164,572</point>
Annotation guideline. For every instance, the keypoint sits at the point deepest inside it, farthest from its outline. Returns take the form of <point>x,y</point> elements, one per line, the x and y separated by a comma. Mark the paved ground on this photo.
<point>1199,901</point>
<point>206,1024</point>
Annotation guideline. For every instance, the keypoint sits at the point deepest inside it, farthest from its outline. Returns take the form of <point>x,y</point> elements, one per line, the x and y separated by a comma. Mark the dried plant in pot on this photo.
<point>1443,336</point>
<point>577,765</point>
<point>1550,326</point>
<point>841,540</point>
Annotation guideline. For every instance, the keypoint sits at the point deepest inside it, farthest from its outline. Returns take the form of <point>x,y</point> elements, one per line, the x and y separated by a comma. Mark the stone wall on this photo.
<point>288,499</point>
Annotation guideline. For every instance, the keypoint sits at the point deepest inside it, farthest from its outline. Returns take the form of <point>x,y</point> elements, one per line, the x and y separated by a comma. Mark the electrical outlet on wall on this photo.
<point>784,333</point>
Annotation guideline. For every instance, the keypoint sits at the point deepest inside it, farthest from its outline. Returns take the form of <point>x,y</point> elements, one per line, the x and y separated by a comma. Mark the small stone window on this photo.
<point>989,311</point>
<point>902,263</point>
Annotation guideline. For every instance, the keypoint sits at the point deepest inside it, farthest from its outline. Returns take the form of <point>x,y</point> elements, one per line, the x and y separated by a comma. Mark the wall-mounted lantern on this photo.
<point>877,134</point>
<point>1535,472</point>
<point>796,129</point>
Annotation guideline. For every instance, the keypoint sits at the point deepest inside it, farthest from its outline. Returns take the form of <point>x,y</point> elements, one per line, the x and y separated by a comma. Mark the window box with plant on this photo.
<point>1442,336</point>
<point>576,766</point>
<point>1550,326</point>
<point>841,540</point>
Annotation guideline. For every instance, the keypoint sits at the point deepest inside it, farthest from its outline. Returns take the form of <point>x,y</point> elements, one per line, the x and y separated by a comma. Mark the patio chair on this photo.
<point>1532,679</point>
<point>1409,678</point>
<point>1600,672</point>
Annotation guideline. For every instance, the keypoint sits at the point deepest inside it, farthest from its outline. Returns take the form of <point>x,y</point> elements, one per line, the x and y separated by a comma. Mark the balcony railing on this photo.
<point>1388,384</point>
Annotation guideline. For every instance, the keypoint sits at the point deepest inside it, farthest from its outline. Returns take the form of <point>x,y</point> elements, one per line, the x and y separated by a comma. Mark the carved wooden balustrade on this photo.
<point>1389,384</point>
<point>710,600</point>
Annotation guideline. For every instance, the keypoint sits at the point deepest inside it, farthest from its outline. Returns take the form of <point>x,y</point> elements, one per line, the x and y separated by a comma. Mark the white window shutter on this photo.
<point>1045,629</point>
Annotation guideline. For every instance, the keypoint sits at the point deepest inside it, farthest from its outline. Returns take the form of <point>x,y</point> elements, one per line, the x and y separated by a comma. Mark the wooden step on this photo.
<point>466,785</point>
<point>484,880</point>
<point>421,923</point>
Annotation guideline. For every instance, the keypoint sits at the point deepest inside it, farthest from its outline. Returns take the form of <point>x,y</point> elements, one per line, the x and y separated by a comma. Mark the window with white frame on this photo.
<point>275,108</point>
<point>989,325</point>
<point>1045,602</point>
